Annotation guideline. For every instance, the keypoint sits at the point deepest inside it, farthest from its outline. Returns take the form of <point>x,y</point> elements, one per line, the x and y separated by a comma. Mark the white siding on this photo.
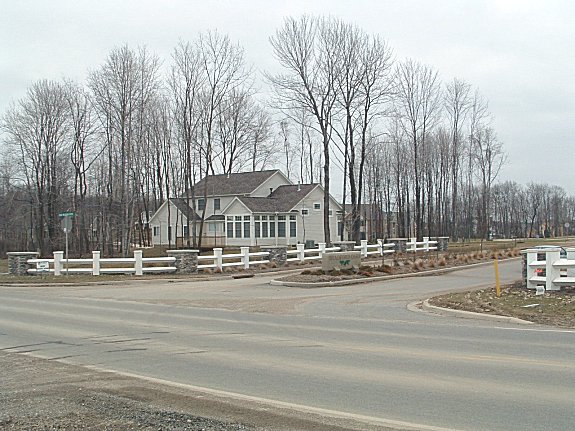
<point>161,223</point>
<point>310,227</point>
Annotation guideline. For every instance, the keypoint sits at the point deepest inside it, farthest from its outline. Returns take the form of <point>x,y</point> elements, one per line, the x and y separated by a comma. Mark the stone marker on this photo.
<point>341,260</point>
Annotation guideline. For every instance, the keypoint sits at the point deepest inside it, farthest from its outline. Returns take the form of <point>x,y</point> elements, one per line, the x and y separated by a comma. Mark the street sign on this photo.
<point>67,214</point>
<point>66,224</point>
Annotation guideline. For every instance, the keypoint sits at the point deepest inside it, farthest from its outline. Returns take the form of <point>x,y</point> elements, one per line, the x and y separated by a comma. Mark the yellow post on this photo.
<point>497,286</point>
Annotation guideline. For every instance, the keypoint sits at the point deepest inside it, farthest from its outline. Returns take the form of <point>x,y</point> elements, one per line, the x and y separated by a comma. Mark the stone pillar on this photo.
<point>345,245</point>
<point>442,243</point>
<point>524,267</point>
<point>277,253</point>
<point>18,261</point>
<point>400,244</point>
<point>186,261</point>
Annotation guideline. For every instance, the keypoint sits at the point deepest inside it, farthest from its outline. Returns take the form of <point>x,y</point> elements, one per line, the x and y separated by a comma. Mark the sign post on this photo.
<point>66,223</point>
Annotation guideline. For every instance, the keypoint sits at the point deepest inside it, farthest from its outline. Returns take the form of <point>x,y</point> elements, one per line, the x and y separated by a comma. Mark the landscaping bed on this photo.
<point>556,308</point>
<point>400,264</point>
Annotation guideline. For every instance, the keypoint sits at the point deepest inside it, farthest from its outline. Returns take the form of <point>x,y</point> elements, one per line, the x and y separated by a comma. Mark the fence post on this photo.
<point>426,244</point>
<point>300,252</point>
<point>95,263</point>
<point>218,258</point>
<point>321,246</point>
<point>363,244</point>
<point>245,251</point>
<point>412,245</point>
<point>551,272</point>
<point>138,265</point>
<point>570,256</point>
<point>58,258</point>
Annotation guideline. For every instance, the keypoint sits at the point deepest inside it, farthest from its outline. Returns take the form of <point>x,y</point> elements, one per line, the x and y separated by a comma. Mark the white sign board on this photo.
<point>540,290</point>
<point>341,260</point>
<point>42,266</point>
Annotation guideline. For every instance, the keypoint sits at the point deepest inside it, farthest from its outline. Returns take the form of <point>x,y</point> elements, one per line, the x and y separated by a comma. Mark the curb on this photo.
<point>304,285</point>
<point>426,306</point>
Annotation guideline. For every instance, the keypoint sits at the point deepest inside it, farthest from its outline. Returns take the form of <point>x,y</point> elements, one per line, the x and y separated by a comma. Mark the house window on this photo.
<point>292,226</point>
<point>238,226</point>
<point>316,206</point>
<point>246,229</point>
<point>304,212</point>
<point>292,229</point>
<point>282,228</point>
<point>201,204</point>
<point>330,213</point>
<point>264,229</point>
<point>257,230</point>
<point>156,230</point>
<point>230,229</point>
<point>272,229</point>
<point>185,230</point>
<point>217,204</point>
<point>212,227</point>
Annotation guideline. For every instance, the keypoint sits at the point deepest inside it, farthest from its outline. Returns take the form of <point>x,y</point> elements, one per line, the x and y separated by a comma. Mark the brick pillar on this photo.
<point>186,261</point>
<point>18,261</point>
<point>277,253</point>
<point>442,243</point>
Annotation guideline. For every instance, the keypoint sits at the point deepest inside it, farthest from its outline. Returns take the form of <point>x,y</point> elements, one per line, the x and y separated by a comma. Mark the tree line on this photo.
<point>139,129</point>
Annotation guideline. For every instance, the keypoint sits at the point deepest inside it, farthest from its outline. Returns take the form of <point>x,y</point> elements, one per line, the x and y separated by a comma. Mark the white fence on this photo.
<point>97,265</point>
<point>413,246</point>
<point>139,265</point>
<point>554,271</point>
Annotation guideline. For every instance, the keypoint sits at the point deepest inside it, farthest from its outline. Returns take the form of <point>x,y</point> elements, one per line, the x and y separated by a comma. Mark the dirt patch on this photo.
<point>556,308</point>
<point>40,394</point>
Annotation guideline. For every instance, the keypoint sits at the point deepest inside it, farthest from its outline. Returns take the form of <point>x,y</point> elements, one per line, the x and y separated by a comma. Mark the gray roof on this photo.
<point>182,205</point>
<point>241,183</point>
<point>282,199</point>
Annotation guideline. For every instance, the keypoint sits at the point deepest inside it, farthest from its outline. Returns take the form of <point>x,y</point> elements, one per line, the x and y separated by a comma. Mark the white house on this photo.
<point>246,209</point>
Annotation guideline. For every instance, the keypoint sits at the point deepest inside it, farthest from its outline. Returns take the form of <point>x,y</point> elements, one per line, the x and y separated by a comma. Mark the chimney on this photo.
<point>271,190</point>
<point>298,186</point>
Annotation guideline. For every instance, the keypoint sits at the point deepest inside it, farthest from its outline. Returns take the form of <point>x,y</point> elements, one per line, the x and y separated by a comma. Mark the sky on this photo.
<point>520,54</point>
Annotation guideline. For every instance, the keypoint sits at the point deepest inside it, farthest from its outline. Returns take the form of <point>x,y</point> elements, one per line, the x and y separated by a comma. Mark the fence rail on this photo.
<point>140,265</point>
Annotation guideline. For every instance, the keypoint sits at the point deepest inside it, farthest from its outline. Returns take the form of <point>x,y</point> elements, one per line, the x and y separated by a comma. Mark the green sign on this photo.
<point>66,214</point>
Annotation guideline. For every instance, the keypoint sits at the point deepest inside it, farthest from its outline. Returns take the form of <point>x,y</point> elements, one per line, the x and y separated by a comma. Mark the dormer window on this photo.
<point>217,204</point>
<point>317,206</point>
<point>201,204</point>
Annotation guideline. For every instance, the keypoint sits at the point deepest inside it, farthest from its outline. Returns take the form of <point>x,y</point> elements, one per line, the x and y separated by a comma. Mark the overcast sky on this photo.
<point>520,54</point>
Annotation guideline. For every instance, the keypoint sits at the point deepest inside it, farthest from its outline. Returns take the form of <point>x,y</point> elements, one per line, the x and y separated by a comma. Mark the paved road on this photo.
<point>354,351</point>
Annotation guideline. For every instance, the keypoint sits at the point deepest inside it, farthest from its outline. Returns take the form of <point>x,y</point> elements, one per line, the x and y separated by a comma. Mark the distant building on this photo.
<point>246,209</point>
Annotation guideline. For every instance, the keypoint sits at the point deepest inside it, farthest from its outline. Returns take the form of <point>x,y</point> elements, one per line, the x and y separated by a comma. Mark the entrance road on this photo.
<point>353,350</point>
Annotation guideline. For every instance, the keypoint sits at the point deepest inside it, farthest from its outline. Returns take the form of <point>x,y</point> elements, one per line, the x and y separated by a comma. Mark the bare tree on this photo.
<point>417,106</point>
<point>122,89</point>
<point>37,127</point>
<point>306,49</point>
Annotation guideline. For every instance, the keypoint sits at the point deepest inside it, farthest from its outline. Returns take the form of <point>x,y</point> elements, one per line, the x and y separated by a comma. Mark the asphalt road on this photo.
<point>355,352</point>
